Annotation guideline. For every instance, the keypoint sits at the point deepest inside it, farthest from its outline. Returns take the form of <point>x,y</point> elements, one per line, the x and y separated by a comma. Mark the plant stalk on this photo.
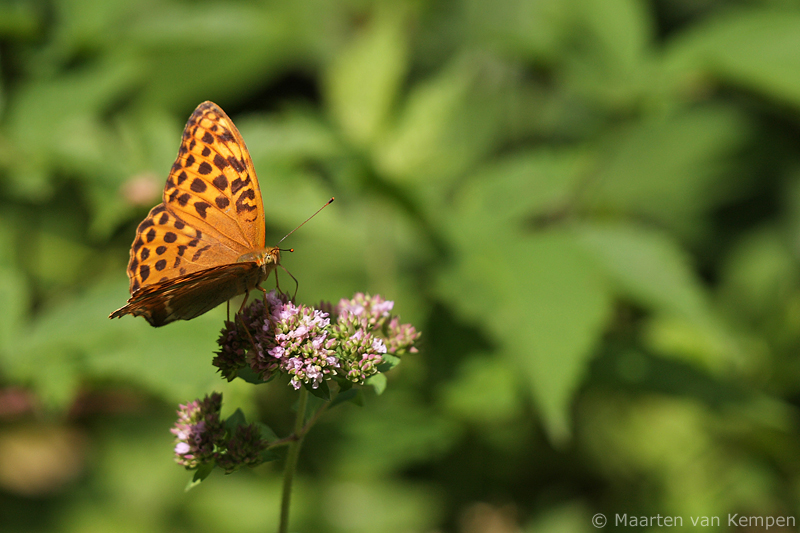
<point>291,460</point>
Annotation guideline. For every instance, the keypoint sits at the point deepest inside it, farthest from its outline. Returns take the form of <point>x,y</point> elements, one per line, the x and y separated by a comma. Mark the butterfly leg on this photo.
<point>277,285</point>
<point>296,283</point>
<point>240,316</point>
<point>264,294</point>
<point>247,331</point>
<point>244,302</point>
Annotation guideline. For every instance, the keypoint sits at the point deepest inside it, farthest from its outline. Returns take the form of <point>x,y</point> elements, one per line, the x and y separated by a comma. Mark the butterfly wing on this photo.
<point>211,212</point>
<point>191,295</point>
<point>213,184</point>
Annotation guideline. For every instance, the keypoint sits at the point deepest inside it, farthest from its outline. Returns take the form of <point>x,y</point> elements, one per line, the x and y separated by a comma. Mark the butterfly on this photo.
<point>204,243</point>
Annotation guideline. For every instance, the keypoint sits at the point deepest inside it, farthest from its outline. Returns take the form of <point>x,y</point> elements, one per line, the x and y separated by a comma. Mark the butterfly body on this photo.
<point>204,243</point>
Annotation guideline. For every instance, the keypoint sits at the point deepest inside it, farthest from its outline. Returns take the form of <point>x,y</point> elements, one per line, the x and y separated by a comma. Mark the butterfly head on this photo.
<point>266,258</point>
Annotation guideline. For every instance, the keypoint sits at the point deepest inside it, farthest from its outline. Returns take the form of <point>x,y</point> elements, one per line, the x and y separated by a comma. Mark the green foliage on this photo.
<point>591,210</point>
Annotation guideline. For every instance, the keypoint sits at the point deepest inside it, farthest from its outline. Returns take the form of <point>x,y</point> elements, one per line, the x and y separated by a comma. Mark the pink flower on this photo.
<point>311,345</point>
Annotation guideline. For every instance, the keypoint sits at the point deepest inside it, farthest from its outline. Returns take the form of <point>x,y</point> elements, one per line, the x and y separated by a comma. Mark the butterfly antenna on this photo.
<point>306,220</point>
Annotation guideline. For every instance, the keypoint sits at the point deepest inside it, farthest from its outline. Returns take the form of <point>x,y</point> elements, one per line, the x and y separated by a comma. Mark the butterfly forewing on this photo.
<point>212,183</point>
<point>211,212</point>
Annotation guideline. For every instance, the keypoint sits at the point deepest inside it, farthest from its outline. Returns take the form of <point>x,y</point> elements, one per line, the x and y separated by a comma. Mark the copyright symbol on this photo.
<point>599,520</point>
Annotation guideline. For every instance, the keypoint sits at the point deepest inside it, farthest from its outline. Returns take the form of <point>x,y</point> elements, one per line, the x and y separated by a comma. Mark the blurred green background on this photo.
<point>591,208</point>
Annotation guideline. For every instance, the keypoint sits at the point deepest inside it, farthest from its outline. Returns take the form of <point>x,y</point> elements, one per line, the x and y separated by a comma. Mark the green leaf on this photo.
<point>322,391</point>
<point>74,341</point>
<point>344,383</point>
<point>528,183</point>
<point>235,420</point>
<point>349,395</point>
<point>546,304</point>
<point>620,31</point>
<point>266,432</point>
<point>269,455</point>
<point>182,39</point>
<point>757,49</point>
<point>649,267</point>
<point>202,472</point>
<point>672,169</point>
<point>611,66</point>
<point>363,80</point>
<point>483,392</point>
<point>542,297</point>
<point>446,126</point>
<point>377,382</point>
<point>246,374</point>
<point>388,362</point>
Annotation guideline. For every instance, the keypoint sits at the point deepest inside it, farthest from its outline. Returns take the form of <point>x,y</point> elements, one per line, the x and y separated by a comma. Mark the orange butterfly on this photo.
<point>204,243</point>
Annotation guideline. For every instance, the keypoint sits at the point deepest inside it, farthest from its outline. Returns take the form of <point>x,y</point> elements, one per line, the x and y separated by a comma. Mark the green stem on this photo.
<point>291,460</point>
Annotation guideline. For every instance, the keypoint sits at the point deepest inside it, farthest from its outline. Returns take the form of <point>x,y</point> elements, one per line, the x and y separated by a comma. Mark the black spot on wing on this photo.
<point>238,184</point>
<point>199,252</point>
<point>201,207</point>
<point>240,202</point>
<point>220,182</point>
<point>146,223</point>
<point>199,185</point>
<point>220,162</point>
<point>204,168</point>
<point>236,164</point>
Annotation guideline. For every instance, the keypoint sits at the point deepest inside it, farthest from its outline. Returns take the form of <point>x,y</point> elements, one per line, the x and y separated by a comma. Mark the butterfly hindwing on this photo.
<point>189,296</point>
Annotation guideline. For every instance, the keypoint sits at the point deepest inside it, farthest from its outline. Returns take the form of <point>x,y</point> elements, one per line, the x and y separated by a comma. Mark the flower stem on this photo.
<point>291,460</point>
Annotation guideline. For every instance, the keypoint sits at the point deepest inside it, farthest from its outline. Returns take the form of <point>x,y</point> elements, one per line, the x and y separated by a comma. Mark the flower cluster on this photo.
<point>345,342</point>
<point>197,431</point>
<point>242,449</point>
<point>201,438</point>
